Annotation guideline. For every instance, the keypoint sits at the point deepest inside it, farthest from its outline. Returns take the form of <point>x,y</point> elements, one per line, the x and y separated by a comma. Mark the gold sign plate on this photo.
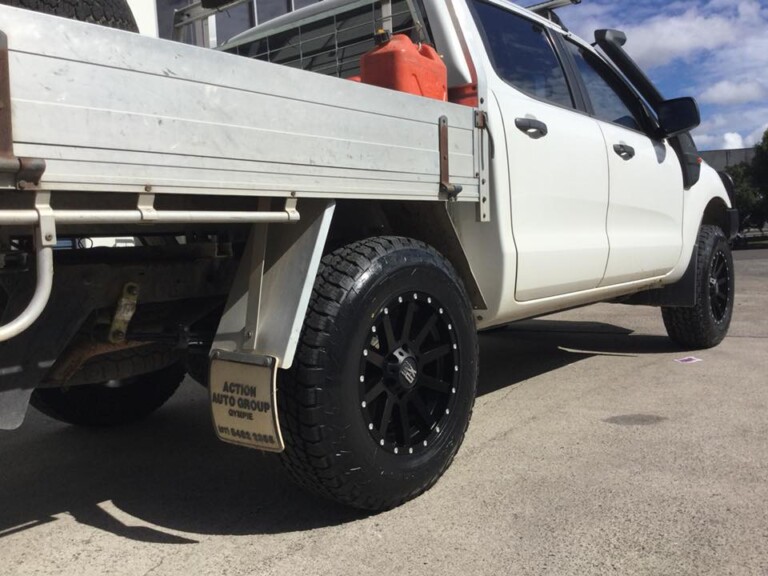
<point>243,393</point>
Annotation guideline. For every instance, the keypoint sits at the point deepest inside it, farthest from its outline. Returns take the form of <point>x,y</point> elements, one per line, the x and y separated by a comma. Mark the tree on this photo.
<point>760,165</point>
<point>760,179</point>
<point>747,198</point>
<point>751,186</point>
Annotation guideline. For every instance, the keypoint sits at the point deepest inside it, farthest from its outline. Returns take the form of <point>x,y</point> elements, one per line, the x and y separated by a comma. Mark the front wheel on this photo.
<point>382,388</point>
<point>706,323</point>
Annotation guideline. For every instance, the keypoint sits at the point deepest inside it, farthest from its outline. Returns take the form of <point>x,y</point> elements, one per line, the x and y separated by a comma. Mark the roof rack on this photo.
<point>542,8</point>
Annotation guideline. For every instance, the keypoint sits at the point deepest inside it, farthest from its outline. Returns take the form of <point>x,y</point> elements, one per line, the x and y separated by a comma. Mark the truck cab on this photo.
<point>592,198</point>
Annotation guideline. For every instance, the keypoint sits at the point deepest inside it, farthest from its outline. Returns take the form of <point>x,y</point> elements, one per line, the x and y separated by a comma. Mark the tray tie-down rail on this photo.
<point>44,219</point>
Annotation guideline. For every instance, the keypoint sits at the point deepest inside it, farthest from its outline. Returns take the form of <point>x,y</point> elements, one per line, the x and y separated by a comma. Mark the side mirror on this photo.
<point>677,116</point>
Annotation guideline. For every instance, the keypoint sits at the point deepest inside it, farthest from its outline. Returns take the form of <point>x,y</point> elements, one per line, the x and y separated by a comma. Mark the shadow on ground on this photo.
<point>172,473</point>
<point>523,350</point>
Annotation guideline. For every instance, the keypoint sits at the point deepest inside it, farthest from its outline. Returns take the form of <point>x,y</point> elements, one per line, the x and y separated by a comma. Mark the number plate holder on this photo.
<point>243,396</point>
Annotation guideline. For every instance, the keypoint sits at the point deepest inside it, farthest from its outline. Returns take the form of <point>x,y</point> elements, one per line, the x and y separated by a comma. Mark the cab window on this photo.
<point>522,54</point>
<point>611,100</point>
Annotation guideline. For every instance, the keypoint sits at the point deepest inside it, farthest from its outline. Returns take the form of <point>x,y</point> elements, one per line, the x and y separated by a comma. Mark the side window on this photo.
<point>522,54</point>
<point>610,98</point>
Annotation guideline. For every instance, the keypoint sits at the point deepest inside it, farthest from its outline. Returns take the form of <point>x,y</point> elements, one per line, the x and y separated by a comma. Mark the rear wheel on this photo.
<point>110,403</point>
<point>112,13</point>
<point>706,323</point>
<point>382,388</point>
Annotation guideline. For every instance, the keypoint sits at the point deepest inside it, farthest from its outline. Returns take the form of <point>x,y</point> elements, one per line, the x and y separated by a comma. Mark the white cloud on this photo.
<point>714,122</point>
<point>717,49</point>
<point>664,39</point>
<point>727,92</point>
<point>733,140</point>
<point>707,141</point>
<point>660,33</point>
<point>747,121</point>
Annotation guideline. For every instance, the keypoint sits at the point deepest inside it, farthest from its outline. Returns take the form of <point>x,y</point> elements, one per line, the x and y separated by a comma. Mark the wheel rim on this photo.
<point>719,286</point>
<point>409,373</point>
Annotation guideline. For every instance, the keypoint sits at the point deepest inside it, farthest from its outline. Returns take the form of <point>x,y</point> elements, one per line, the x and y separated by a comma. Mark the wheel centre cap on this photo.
<point>407,369</point>
<point>408,373</point>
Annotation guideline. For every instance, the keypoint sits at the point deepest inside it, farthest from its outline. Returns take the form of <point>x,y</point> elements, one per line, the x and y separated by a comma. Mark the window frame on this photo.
<point>625,90</point>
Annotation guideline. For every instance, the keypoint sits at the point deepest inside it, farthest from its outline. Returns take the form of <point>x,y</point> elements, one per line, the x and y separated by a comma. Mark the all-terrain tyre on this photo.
<point>112,13</point>
<point>706,323</point>
<point>110,403</point>
<point>381,391</point>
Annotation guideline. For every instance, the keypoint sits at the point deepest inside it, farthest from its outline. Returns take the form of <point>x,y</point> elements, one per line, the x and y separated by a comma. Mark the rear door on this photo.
<point>557,162</point>
<point>645,208</point>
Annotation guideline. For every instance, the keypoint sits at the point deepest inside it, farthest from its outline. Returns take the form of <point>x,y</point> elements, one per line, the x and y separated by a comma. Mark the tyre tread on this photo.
<point>691,327</point>
<point>111,13</point>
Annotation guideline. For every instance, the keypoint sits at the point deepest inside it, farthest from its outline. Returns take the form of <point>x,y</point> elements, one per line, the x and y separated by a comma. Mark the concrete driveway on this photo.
<point>591,451</point>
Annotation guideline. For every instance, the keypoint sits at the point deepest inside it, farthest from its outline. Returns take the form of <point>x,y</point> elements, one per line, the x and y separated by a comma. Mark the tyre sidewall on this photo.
<point>713,245</point>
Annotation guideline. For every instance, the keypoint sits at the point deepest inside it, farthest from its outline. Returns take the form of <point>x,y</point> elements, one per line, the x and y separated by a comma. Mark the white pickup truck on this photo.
<point>319,251</point>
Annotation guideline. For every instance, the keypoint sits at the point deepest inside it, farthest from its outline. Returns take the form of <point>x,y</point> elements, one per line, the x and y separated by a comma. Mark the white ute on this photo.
<point>325,212</point>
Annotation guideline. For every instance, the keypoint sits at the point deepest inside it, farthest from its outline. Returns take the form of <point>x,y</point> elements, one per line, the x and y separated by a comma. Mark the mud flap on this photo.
<point>13,408</point>
<point>243,394</point>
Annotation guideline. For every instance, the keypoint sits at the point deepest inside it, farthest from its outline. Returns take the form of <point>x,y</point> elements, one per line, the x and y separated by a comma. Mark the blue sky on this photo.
<point>714,50</point>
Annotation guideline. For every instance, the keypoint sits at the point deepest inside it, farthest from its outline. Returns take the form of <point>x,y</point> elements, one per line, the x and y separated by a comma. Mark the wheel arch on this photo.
<point>428,222</point>
<point>268,301</point>
<point>707,202</point>
<point>716,214</point>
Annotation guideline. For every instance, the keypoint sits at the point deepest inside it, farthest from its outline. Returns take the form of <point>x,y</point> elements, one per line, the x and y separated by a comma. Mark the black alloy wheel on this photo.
<point>409,372</point>
<point>719,286</point>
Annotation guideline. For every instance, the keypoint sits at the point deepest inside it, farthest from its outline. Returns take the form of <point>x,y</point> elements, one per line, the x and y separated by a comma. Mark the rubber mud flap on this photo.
<point>243,400</point>
<point>13,408</point>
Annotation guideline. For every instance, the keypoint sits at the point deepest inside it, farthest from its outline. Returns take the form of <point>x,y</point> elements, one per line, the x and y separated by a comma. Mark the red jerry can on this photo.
<point>401,65</point>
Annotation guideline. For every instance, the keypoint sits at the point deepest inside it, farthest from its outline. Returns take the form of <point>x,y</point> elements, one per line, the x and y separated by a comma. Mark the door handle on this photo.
<point>624,151</point>
<point>532,128</point>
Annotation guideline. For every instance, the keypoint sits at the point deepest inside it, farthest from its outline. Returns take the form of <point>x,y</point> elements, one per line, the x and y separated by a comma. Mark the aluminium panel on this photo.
<point>114,111</point>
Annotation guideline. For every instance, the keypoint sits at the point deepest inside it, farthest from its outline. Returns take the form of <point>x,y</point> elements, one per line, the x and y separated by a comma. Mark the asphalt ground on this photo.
<point>591,451</point>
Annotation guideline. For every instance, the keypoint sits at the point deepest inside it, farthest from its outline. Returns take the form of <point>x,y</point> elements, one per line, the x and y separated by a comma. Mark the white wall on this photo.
<point>145,12</point>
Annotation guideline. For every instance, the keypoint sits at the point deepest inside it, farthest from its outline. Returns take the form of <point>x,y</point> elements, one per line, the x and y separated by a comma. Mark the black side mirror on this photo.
<point>677,116</point>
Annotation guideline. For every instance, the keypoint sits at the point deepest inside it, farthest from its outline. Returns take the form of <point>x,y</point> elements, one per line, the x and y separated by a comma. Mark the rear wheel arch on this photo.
<point>427,222</point>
